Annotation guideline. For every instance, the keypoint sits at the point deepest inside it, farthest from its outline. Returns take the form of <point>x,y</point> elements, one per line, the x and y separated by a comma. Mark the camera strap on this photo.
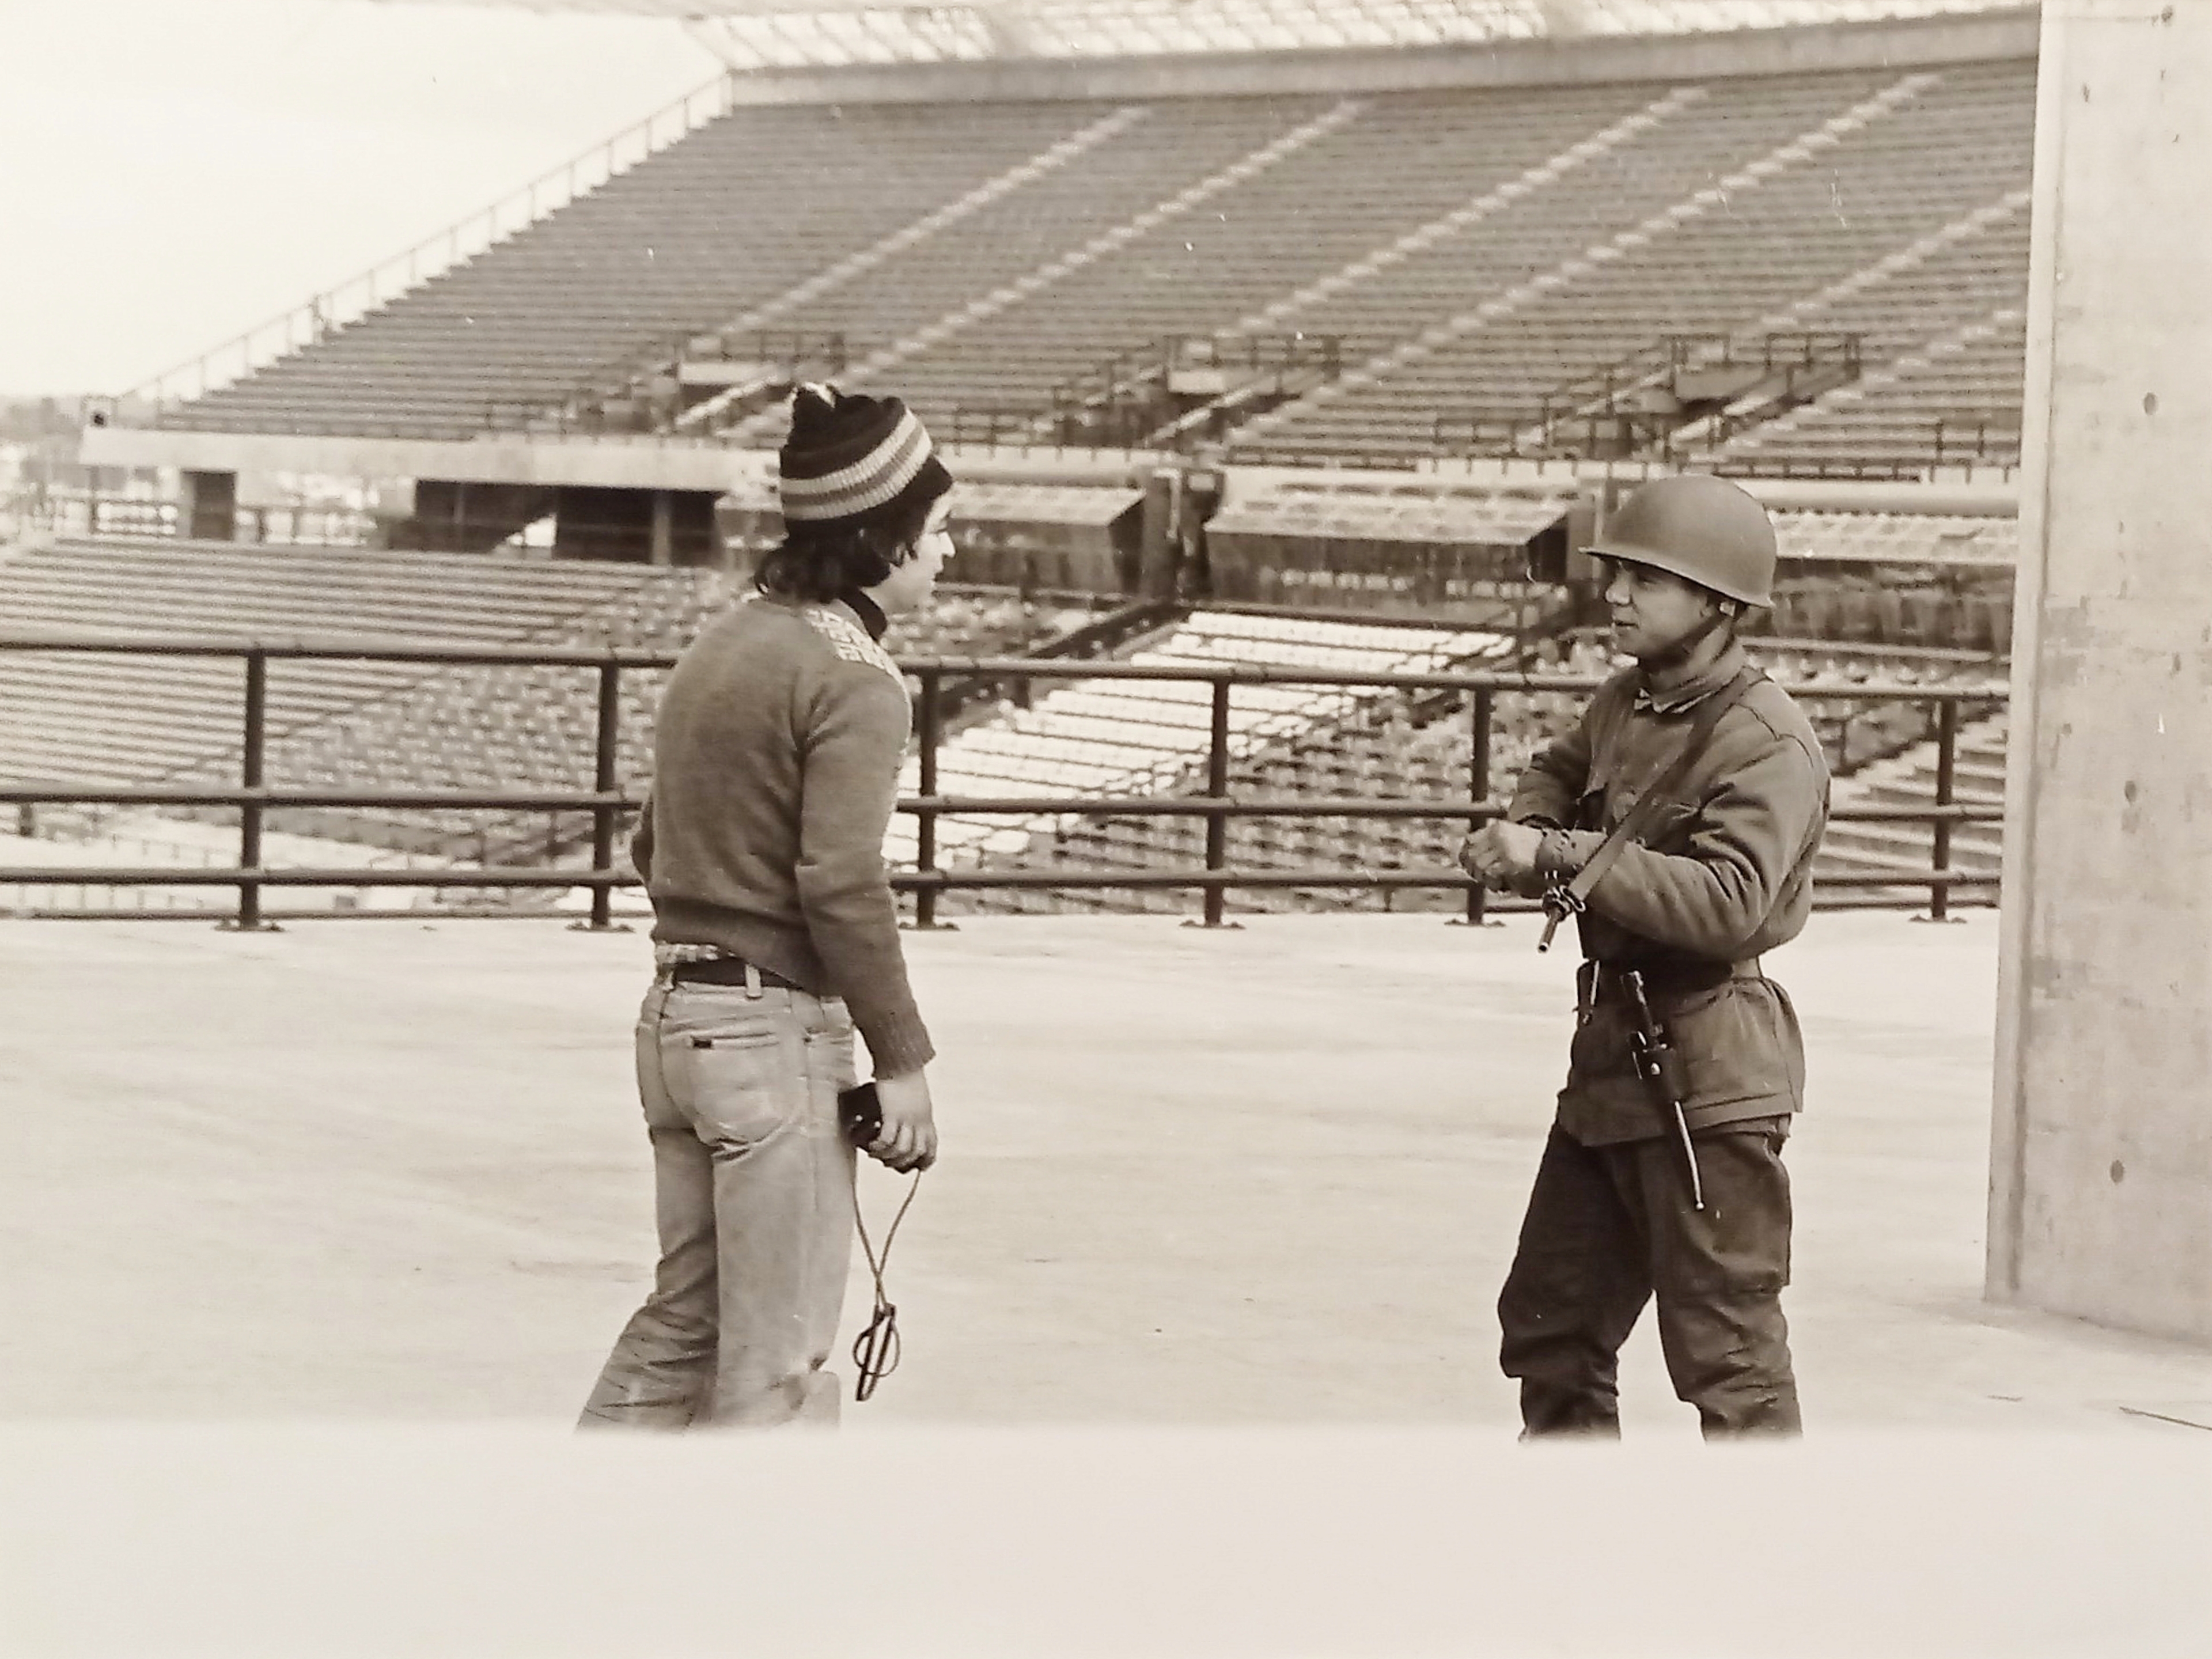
<point>875,1349</point>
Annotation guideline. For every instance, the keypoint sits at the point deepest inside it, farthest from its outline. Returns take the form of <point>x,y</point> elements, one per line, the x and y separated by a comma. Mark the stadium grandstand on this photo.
<point>1265,335</point>
<point>1284,354</point>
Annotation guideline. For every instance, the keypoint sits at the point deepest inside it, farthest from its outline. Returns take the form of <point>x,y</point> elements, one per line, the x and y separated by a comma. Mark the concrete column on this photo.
<point>2100,1192</point>
<point>210,506</point>
<point>1157,543</point>
<point>662,539</point>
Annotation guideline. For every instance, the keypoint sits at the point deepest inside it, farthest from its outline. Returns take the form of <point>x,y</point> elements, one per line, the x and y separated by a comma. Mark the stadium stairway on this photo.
<point>1223,145</point>
<point>1364,396</point>
<point>1481,245</point>
<point>1908,780</point>
<point>1827,197</point>
<point>583,300</point>
<point>1964,384</point>
<point>709,413</point>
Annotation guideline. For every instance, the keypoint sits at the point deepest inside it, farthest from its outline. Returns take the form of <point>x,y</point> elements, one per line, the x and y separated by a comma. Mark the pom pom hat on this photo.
<point>853,459</point>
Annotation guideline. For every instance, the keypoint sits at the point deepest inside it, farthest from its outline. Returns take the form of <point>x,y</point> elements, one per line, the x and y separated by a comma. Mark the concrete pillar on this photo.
<point>211,512</point>
<point>1158,545</point>
<point>661,538</point>
<point>2100,1188</point>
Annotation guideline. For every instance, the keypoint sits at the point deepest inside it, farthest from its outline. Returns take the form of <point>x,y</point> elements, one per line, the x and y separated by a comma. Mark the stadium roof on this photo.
<point>763,34</point>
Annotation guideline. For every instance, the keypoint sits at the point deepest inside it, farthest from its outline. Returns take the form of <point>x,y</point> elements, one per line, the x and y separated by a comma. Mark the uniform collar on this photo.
<point>1692,691</point>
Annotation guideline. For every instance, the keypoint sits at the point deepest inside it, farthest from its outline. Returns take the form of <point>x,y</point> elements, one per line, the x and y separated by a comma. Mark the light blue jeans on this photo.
<point>753,1190</point>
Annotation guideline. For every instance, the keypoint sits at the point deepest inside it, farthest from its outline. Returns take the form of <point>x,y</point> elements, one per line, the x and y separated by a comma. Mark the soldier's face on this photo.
<point>1650,609</point>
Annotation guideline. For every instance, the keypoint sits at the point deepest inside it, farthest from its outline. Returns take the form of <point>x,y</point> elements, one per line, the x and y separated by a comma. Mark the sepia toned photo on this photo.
<point>1386,814</point>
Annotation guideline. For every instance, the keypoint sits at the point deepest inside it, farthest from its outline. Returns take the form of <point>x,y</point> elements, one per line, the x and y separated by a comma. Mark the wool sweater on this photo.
<point>776,754</point>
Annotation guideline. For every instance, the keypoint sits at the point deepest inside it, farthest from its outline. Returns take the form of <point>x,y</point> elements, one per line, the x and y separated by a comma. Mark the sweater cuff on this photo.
<point>897,1044</point>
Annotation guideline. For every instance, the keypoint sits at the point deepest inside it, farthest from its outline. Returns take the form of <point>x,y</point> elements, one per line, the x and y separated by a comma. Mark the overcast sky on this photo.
<point>172,172</point>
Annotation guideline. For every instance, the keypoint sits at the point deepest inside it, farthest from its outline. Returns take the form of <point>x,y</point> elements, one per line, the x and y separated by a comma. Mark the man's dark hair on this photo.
<point>818,561</point>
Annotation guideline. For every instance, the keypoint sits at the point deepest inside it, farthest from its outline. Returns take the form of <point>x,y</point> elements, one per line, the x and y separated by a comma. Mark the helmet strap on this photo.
<point>1677,651</point>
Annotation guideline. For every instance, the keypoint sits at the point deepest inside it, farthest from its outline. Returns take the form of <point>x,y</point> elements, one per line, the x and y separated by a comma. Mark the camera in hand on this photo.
<point>860,1114</point>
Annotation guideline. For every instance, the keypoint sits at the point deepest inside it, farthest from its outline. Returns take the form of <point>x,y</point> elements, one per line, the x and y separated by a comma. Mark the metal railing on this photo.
<point>288,524</point>
<point>606,800</point>
<point>462,240</point>
<point>1982,437</point>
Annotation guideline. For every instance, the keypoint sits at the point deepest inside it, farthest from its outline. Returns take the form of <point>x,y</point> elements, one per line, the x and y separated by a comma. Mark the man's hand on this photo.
<point>908,1140</point>
<point>1501,854</point>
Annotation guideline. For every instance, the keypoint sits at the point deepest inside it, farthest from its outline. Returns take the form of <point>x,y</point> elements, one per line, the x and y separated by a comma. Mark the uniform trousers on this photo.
<point>1609,1227</point>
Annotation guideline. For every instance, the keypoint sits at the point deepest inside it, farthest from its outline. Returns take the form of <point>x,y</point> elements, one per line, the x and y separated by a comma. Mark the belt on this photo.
<point>1600,982</point>
<point>726,970</point>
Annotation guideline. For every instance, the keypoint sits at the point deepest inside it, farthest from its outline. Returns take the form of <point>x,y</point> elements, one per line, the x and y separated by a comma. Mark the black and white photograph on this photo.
<point>1259,828</point>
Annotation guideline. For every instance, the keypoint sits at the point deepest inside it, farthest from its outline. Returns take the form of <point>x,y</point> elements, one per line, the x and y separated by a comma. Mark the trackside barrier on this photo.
<point>937,679</point>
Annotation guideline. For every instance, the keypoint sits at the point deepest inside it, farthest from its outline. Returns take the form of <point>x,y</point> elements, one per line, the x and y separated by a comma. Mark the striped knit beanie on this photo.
<point>852,460</point>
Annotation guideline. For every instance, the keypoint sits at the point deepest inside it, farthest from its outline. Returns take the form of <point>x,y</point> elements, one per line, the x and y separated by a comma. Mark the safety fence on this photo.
<point>942,685</point>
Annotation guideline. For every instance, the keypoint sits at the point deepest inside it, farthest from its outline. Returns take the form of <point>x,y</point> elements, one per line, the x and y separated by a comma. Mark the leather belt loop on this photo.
<point>752,983</point>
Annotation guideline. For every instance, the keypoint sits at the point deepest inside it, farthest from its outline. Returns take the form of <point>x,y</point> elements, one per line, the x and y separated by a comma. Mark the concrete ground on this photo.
<point>316,1239</point>
<point>393,1171</point>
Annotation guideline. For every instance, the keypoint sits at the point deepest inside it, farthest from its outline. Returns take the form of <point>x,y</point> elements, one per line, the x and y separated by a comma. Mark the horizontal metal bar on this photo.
<point>1954,813</point>
<point>1188,807</point>
<point>364,913</point>
<point>159,875</point>
<point>1330,806</point>
<point>1435,876</point>
<point>325,647</point>
<point>1257,806</point>
<point>904,881</point>
<point>1027,668</point>
<point>273,796</point>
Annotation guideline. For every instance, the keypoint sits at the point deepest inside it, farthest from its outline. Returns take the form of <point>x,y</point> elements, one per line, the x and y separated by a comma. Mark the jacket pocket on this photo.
<point>1739,1042</point>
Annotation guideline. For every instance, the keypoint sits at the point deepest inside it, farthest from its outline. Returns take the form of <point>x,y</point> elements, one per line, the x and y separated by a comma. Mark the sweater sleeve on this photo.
<point>854,721</point>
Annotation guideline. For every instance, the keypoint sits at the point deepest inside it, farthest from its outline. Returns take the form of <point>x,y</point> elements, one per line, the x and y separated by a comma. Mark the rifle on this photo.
<point>1659,1065</point>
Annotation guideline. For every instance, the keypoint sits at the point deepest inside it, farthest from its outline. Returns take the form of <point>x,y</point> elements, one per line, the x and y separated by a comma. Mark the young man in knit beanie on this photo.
<point>776,755</point>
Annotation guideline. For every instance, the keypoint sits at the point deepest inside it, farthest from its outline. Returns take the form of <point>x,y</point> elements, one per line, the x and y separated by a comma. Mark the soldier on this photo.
<point>1662,1174</point>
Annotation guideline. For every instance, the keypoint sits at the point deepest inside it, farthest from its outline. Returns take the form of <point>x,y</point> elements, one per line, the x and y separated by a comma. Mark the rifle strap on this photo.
<point>1638,819</point>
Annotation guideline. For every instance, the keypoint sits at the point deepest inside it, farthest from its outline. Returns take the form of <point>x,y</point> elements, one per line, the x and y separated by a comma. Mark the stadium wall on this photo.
<point>1912,42</point>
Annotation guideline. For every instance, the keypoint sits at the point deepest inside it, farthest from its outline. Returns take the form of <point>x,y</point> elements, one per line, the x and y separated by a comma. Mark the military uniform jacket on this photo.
<point>1723,874</point>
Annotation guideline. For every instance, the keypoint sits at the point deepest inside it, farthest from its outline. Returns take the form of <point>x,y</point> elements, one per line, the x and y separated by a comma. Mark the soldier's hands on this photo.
<point>908,1140</point>
<point>1501,854</point>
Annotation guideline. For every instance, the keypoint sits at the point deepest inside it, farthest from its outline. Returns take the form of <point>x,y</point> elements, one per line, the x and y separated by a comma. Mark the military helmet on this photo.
<point>1700,528</point>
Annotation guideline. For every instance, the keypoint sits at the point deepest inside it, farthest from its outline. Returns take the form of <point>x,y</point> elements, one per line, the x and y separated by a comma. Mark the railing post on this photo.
<point>932,729</point>
<point>248,919</point>
<point>1947,753</point>
<point>603,815</point>
<point>1217,818</point>
<point>1478,788</point>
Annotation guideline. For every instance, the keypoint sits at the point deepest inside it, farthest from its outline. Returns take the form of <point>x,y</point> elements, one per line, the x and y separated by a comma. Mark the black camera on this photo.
<point>860,1114</point>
